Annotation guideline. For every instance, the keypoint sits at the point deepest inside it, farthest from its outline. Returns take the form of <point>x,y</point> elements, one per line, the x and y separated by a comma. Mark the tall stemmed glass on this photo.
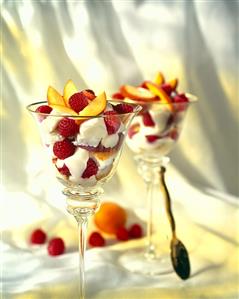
<point>151,136</point>
<point>83,169</point>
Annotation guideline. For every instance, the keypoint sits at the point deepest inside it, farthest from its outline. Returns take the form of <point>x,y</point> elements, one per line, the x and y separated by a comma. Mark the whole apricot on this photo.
<point>110,217</point>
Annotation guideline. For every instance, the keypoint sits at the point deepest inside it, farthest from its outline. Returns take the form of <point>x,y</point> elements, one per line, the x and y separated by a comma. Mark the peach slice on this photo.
<point>134,129</point>
<point>164,98</point>
<point>54,98</point>
<point>159,78</point>
<point>137,93</point>
<point>95,107</point>
<point>104,155</point>
<point>64,109</point>
<point>69,90</point>
<point>173,83</point>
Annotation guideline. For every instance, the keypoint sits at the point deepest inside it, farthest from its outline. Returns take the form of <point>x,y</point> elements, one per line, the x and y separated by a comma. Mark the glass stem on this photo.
<point>82,206</point>
<point>149,169</point>
<point>82,229</point>
<point>150,250</point>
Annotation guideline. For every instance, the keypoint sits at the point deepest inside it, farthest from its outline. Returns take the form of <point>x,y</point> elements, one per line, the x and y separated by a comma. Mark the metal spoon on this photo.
<point>179,254</point>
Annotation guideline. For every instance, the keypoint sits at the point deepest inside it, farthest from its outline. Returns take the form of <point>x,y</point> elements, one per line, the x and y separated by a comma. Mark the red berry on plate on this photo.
<point>112,122</point>
<point>117,96</point>
<point>152,138</point>
<point>38,236</point>
<point>167,88</point>
<point>96,240</point>
<point>91,169</point>
<point>135,231</point>
<point>56,246</point>
<point>122,234</point>
<point>67,127</point>
<point>64,170</point>
<point>78,101</point>
<point>147,120</point>
<point>123,108</point>
<point>63,149</point>
<point>43,109</point>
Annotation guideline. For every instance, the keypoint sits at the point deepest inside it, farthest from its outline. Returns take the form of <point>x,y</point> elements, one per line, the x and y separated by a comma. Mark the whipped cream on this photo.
<point>91,132</point>
<point>76,163</point>
<point>51,138</point>
<point>138,143</point>
<point>49,124</point>
<point>110,141</point>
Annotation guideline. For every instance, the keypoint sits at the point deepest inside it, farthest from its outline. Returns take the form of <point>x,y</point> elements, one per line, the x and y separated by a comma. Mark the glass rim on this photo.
<point>192,99</point>
<point>29,107</point>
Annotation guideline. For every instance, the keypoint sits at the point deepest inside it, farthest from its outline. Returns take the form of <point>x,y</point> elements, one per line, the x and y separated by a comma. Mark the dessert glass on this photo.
<point>83,180</point>
<point>151,136</point>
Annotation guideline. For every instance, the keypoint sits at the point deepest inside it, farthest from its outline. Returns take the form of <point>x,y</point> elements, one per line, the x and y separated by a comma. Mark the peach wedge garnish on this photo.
<point>136,93</point>
<point>54,98</point>
<point>173,83</point>
<point>159,78</point>
<point>157,91</point>
<point>95,107</point>
<point>69,90</point>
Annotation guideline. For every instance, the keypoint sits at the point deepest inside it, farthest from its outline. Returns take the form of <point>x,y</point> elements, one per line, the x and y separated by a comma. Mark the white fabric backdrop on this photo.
<point>103,44</point>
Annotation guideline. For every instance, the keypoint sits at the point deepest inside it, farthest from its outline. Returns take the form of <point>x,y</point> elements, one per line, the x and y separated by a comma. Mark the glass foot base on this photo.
<point>135,261</point>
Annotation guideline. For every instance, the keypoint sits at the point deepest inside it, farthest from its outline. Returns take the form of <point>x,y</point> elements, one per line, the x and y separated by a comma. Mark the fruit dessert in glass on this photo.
<point>84,135</point>
<point>152,135</point>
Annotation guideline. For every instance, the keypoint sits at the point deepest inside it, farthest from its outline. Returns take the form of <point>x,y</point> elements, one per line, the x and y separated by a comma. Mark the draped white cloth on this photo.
<point>102,45</point>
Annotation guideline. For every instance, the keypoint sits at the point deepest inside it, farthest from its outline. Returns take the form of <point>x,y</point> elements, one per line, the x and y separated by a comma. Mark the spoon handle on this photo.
<point>167,199</point>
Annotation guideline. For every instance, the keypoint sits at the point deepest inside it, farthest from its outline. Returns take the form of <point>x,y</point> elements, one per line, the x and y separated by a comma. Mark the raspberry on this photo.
<point>64,170</point>
<point>181,101</point>
<point>43,109</point>
<point>117,96</point>
<point>91,169</point>
<point>56,246</point>
<point>170,120</point>
<point>144,85</point>
<point>112,122</point>
<point>147,120</point>
<point>167,88</point>
<point>122,234</point>
<point>67,127</point>
<point>38,236</point>
<point>78,101</point>
<point>96,240</point>
<point>181,97</point>
<point>63,149</point>
<point>174,134</point>
<point>123,108</point>
<point>152,138</point>
<point>89,94</point>
<point>135,231</point>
